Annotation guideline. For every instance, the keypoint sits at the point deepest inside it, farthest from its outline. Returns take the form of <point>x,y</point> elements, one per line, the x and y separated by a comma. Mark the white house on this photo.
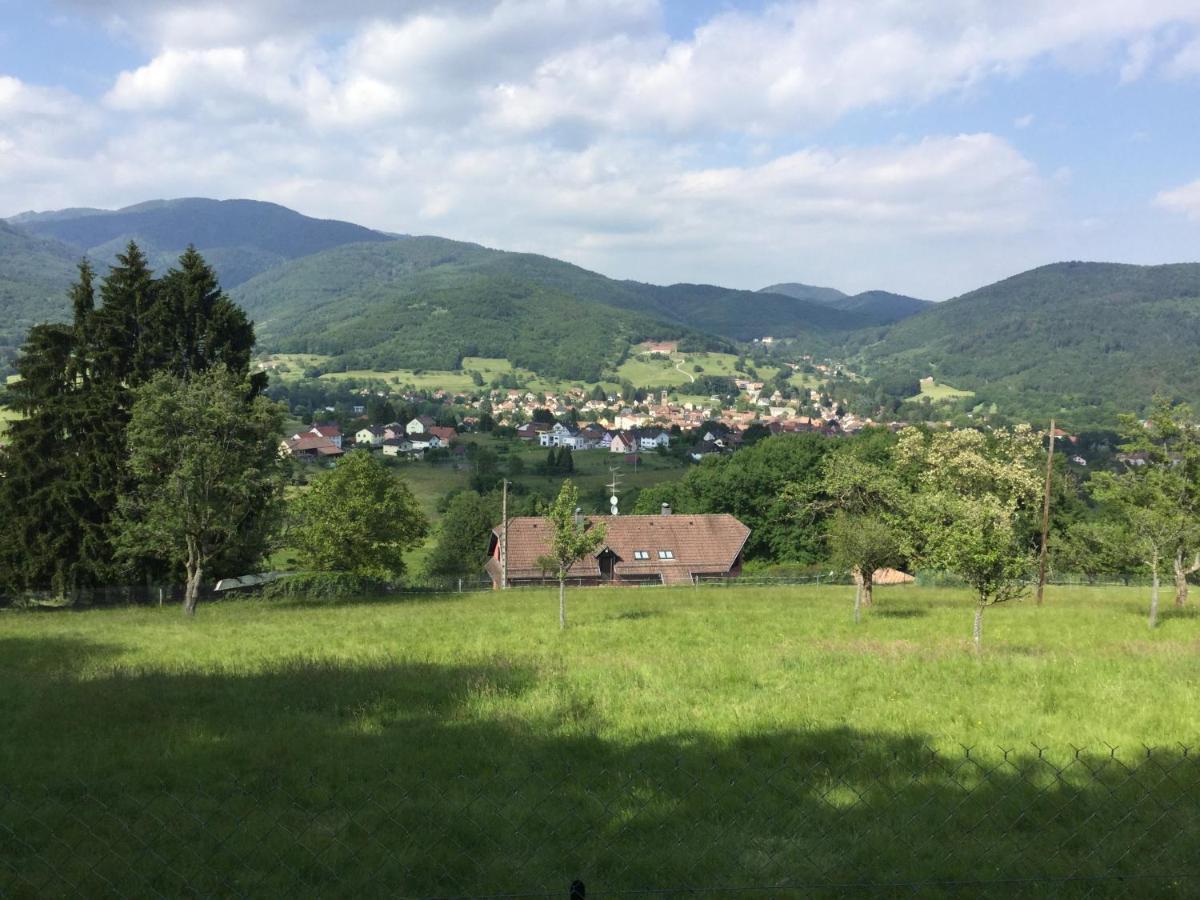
<point>419,425</point>
<point>370,436</point>
<point>653,439</point>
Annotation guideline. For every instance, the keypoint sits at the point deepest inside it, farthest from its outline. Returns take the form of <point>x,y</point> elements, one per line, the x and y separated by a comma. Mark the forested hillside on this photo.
<point>421,304</point>
<point>35,275</point>
<point>426,302</point>
<point>1083,339</point>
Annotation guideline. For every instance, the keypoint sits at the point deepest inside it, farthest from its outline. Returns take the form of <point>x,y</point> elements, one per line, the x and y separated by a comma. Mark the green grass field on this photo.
<point>669,738</point>
<point>937,392</point>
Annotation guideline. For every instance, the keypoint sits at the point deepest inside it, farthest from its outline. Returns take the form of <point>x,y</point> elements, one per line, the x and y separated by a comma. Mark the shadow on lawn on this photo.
<point>424,779</point>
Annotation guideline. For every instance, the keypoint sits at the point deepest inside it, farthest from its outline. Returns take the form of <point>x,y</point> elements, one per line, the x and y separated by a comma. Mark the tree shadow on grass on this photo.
<point>903,612</point>
<point>419,779</point>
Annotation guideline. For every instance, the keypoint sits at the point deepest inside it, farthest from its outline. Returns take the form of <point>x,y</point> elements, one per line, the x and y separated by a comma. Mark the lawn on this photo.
<point>694,737</point>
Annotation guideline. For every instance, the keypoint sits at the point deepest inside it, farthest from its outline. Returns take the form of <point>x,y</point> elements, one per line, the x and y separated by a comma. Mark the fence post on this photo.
<point>160,598</point>
<point>460,585</point>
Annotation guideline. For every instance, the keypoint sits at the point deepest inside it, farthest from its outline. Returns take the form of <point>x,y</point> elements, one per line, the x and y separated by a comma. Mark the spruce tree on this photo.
<point>66,466</point>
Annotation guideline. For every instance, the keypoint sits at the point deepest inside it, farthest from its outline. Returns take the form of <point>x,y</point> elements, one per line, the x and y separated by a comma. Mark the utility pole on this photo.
<point>504,536</point>
<point>1045,518</point>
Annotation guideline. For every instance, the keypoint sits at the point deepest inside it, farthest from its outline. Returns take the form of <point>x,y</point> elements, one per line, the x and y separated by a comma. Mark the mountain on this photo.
<point>427,302</point>
<point>799,291</point>
<point>881,307</point>
<point>35,275</point>
<point>1077,339</point>
<point>240,238</point>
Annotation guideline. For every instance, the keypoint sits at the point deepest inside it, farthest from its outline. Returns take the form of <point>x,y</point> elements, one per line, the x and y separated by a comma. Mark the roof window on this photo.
<point>666,554</point>
<point>641,554</point>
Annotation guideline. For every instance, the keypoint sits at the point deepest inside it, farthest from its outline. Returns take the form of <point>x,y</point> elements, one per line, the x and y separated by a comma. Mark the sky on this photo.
<point>926,147</point>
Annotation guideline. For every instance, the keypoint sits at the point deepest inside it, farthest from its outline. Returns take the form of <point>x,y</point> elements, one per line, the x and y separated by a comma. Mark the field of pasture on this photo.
<point>669,738</point>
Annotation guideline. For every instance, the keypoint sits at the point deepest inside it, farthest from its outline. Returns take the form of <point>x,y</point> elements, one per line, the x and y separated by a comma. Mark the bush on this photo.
<point>323,587</point>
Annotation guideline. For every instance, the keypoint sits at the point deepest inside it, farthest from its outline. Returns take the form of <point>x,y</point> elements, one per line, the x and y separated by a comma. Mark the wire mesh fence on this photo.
<point>768,818</point>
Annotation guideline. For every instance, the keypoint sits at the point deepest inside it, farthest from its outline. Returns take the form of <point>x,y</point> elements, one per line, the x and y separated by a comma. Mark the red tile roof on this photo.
<point>698,544</point>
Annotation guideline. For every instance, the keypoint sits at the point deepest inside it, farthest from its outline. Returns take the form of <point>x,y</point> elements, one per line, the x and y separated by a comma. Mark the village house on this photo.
<point>659,549</point>
<point>310,447</point>
<point>419,425</point>
<point>330,432</point>
<point>370,436</point>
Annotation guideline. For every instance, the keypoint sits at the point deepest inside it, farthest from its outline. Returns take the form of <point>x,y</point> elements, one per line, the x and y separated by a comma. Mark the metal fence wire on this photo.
<point>760,820</point>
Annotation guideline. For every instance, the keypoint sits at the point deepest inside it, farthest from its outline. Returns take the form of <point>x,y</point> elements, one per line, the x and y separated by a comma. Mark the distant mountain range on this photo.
<point>872,307</point>
<point>1070,338</point>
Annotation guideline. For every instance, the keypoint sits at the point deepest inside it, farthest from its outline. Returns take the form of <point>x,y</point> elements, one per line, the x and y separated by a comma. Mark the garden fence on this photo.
<point>793,816</point>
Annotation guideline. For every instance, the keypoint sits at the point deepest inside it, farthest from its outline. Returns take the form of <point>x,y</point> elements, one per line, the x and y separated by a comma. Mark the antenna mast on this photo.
<point>504,536</point>
<point>614,489</point>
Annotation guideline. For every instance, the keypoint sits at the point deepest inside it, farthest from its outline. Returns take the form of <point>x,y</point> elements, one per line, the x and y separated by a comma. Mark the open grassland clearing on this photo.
<point>937,392</point>
<point>670,737</point>
<point>679,370</point>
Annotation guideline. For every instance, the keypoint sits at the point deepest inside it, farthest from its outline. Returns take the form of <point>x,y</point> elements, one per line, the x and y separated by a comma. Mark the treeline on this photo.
<point>966,501</point>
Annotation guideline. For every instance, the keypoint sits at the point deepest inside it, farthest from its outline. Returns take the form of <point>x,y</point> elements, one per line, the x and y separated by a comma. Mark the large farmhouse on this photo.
<point>663,549</point>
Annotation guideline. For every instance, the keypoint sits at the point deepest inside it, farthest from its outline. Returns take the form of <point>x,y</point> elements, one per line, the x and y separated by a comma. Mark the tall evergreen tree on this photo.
<point>66,467</point>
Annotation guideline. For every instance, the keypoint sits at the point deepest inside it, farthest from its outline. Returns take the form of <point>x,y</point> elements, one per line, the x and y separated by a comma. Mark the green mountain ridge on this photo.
<point>35,275</point>
<point>240,238</point>
<point>1080,340</point>
<point>359,304</point>
<point>872,307</point>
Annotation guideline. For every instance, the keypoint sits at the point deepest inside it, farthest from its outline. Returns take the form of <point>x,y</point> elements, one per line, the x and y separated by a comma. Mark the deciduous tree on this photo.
<point>572,539</point>
<point>209,478</point>
<point>358,518</point>
<point>972,511</point>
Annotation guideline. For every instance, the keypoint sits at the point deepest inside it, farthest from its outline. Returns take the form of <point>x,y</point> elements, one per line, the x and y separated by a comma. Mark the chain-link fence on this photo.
<point>760,819</point>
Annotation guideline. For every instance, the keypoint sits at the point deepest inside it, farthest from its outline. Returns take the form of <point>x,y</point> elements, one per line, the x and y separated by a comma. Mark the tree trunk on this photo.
<point>858,593</point>
<point>562,603</point>
<point>869,590</point>
<point>977,633</point>
<point>191,590</point>
<point>1182,571</point>
<point>1154,591</point>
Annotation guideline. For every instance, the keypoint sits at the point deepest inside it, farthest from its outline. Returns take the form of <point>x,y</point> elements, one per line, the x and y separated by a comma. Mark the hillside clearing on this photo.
<point>938,392</point>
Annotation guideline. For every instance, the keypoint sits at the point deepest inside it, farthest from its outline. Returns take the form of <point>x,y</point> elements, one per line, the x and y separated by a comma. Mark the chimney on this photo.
<point>579,517</point>
<point>666,509</point>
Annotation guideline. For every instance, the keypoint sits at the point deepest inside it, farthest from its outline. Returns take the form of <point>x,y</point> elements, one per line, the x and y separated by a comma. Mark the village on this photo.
<point>576,418</point>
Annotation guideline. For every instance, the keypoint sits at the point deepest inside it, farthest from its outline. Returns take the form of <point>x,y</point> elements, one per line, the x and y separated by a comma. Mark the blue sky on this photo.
<point>924,147</point>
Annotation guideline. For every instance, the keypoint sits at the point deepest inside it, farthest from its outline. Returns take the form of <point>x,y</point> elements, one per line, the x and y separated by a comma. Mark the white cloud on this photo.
<point>581,129</point>
<point>1186,61</point>
<point>1184,199</point>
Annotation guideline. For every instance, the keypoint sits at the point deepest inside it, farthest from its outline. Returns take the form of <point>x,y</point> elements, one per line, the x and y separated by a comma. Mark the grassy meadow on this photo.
<point>936,392</point>
<point>693,737</point>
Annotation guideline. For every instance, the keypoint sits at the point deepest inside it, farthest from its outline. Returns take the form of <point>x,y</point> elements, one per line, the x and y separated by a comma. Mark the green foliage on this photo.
<point>358,518</point>
<point>1158,500</point>
<point>66,467</point>
<point>462,539</point>
<point>322,587</point>
<point>570,542</point>
<point>35,275</point>
<point>972,509</point>
<point>1083,341</point>
<point>208,478</point>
